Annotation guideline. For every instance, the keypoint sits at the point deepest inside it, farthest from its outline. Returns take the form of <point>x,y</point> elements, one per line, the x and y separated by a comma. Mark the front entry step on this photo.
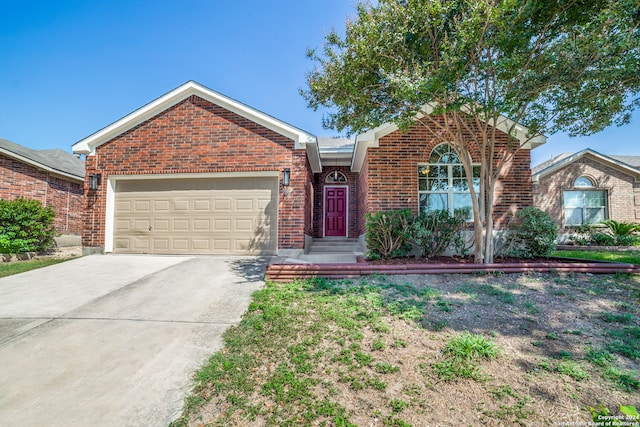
<point>335,246</point>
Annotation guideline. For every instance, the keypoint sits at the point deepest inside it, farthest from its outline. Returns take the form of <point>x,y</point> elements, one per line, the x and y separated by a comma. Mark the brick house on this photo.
<point>588,187</point>
<point>53,177</point>
<point>197,172</point>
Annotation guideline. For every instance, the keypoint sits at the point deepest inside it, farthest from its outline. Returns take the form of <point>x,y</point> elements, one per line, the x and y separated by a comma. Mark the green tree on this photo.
<point>472,66</point>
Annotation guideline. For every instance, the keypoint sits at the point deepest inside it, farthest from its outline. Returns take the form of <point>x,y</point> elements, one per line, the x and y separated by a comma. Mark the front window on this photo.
<point>442,183</point>
<point>584,204</point>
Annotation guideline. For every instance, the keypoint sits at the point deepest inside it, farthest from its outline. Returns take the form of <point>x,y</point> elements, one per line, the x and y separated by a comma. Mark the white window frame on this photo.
<point>450,189</point>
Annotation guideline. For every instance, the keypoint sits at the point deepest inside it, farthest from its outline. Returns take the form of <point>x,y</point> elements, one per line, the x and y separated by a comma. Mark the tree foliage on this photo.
<point>567,65</point>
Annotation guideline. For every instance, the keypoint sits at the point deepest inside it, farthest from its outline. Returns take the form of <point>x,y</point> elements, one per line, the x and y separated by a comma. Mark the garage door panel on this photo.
<point>161,224</point>
<point>141,243</point>
<point>202,224</point>
<point>215,216</point>
<point>182,205</point>
<point>142,206</point>
<point>244,225</point>
<point>244,204</point>
<point>223,225</point>
<point>124,206</point>
<point>161,205</point>
<point>202,205</point>
<point>222,204</point>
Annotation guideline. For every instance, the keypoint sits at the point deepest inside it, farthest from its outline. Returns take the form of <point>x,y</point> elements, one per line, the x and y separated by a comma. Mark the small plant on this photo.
<point>626,341</point>
<point>534,234</point>
<point>386,368</point>
<point>602,358</point>
<point>621,228</point>
<point>552,336</point>
<point>572,369</point>
<point>616,317</point>
<point>625,380</point>
<point>602,239</point>
<point>378,344</point>
<point>462,354</point>
<point>399,343</point>
<point>398,405</point>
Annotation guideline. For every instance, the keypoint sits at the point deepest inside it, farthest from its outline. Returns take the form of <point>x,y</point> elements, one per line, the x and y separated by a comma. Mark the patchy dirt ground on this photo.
<point>566,343</point>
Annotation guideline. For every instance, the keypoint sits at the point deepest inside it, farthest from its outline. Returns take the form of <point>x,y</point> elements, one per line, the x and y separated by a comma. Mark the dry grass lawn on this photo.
<point>450,350</point>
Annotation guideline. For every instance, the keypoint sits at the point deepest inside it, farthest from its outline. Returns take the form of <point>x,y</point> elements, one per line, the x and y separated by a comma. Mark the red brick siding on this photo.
<point>392,178</point>
<point>309,197</point>
<point>352,184</point>
<point>363,197</point>
<point>196,136</point>
<point>623,197</point>
<point>19,179</point>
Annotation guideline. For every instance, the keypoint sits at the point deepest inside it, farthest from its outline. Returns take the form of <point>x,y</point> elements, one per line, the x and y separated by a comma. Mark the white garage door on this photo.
<point>196,216</point>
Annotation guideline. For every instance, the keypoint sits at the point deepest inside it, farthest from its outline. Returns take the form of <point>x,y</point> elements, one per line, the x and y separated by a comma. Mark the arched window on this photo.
<point>336,177</point>
<point>584,204</point>
<point>442,183</point>
<point>583,182</point>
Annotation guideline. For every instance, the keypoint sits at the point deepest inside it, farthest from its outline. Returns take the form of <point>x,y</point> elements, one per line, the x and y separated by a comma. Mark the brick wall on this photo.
<point>319,184</point>
<point>196,136</point>
<point>623,196</point>
<point>19,179</point>
<point>363,197</point>
<point>391,173</point>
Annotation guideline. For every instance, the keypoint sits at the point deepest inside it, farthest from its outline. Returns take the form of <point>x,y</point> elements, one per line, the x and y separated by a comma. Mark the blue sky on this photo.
<point>71,67</point>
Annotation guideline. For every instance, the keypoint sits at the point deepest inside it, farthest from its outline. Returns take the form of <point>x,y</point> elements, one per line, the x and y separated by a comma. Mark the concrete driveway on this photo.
<point>114,340</point>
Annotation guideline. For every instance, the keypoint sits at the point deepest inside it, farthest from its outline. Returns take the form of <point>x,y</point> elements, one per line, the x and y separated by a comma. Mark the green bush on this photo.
<point>388,234</point>
<point>25,226</point>
<point>534,234</point>
<point>621,228</point>
<point>433,232</point>
<point>602,239</point>
<point>623,233</point>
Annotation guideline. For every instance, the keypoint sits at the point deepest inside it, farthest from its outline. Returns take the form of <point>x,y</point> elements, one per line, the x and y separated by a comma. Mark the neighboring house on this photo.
<point>53,177</point>
<point>197,172</point>
<point>588,187</point>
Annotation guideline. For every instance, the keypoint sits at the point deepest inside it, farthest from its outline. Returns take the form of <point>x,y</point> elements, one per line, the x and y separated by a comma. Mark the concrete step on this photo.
<point>328,246</point>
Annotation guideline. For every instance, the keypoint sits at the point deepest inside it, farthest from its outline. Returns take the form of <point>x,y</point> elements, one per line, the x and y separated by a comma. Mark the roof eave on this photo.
<point>88,145</point>
<point>587,151</point>
<point>41,166</point>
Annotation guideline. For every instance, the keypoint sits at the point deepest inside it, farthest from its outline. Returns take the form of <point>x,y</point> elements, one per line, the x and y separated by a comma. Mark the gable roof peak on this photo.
<point>89,144</point>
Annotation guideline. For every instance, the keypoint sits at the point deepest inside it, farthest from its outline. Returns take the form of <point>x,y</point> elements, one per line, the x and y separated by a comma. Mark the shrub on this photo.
<point>433,232</point>
<point>534,233</point>
<point>388,233</point>
<point>602,239</point>
<point>621,228</point>
<point>623,232</point>
<point>25,226</point>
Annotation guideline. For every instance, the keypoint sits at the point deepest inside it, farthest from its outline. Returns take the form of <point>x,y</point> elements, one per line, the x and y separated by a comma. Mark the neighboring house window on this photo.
<point>584,204</point>
<point>442,183</point>
<point>336,177</point>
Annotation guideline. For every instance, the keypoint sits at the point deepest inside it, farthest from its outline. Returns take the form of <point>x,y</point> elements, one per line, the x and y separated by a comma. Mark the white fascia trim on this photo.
<point>88,145</point>
<point>40,165</point>
<point>521,133</point>
<point>313,155</point>
<point>372,137</point>
<point>601,157</point>
<point>110,210</point>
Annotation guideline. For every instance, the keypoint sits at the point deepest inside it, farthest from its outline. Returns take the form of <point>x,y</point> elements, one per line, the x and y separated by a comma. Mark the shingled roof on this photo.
<point>52,160</point>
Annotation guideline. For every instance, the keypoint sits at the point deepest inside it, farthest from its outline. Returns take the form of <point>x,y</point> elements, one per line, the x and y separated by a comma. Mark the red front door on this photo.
<point>335,212</point>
